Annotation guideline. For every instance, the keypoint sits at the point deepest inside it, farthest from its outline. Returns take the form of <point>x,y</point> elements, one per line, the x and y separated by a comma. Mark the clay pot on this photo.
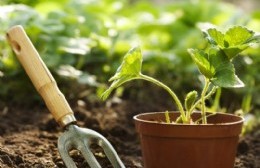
<point>212,145</point>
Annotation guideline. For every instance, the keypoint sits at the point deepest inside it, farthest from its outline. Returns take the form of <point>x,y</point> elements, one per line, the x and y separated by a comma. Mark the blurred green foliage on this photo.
<point>83,42</point>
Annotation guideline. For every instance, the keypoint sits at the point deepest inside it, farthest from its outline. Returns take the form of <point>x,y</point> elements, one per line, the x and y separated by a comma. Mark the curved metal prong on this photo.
<point>88,155</point>
<point>81,139</point>
<point>110,152</point>
<point>64,148</point>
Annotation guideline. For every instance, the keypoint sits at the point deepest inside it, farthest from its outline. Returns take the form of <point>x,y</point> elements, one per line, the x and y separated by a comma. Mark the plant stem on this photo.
<point>206,117</point>
<point>215,105</point>
<point>174,96</point>
<point>167,117</point>
<point>203,107</point>
<point>213,90</point>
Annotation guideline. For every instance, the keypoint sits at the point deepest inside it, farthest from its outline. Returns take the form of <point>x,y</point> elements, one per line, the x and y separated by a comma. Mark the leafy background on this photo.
<point>83,42</point>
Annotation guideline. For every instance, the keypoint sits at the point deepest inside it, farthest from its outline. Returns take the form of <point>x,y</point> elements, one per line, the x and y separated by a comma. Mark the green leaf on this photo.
<point>190,99</point>
<point>216,37</point>
<point>216,66</point>
<point>224,75</point>
<point>202,62</point>
<point>234,41</point>
<point>130,69</point>
<point>131,65</point>
<point>254,39</point>
<point>227,78</point>
<point>217,59</point>
<point>115,85</point>
<point>233,51</point>
<point>238,35</point>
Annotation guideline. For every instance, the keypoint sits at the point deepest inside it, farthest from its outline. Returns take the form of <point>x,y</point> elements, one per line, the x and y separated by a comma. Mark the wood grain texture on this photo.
<point>37,71</point>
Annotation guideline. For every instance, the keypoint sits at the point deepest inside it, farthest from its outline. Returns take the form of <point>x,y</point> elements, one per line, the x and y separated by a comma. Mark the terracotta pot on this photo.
<point>188,146</point>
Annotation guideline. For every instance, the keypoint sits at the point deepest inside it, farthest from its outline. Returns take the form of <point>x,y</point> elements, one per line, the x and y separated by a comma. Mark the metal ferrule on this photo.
<point>66,120</point>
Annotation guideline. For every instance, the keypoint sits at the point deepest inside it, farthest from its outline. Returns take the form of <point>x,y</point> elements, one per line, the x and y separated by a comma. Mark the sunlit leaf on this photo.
<point>233,51</point>
<point>238,35</point>
<point>130,69</point>
<point>131,65</point>
<point>232,42</point>
<point>216,66</point>
<point>216,37</point>
<point>202,62</point>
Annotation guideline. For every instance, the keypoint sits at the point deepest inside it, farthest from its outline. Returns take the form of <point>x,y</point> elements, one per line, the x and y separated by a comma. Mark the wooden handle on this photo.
<point>39,74</point>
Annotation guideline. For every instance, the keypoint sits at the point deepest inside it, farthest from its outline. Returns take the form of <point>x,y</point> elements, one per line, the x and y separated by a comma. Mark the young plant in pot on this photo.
<point>189,138</point>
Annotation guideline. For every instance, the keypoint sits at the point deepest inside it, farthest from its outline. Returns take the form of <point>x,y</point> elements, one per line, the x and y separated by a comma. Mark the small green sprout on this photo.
<point>214,63</point>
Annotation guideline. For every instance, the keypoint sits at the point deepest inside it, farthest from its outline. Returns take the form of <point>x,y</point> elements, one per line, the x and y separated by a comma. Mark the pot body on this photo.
<point>188,146</point>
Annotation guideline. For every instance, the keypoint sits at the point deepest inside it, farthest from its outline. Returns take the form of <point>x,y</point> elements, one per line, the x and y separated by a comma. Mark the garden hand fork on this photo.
<point>73,137</point>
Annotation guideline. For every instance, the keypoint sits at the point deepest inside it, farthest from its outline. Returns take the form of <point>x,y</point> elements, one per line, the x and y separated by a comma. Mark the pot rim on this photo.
<point>240,119</point>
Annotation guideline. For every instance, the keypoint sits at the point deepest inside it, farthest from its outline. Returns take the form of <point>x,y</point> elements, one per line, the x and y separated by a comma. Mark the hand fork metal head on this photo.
<point>81,139</point>
<point>45,84</point>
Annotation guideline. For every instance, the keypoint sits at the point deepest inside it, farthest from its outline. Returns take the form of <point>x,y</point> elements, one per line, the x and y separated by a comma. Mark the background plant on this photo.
<point>82,43</point>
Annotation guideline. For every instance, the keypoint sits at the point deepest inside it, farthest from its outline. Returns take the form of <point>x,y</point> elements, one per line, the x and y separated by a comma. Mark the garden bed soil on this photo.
<point>28,136</point>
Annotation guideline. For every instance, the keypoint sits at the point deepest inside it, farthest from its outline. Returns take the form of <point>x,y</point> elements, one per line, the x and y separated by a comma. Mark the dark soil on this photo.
<point>28,136</point>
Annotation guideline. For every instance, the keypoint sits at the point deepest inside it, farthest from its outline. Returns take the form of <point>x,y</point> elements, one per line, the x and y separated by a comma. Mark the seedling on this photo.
<point>214,63</point>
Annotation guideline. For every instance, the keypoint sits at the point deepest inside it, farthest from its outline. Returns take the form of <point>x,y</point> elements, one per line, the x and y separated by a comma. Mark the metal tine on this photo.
<point>110,152</point>
<point>81,139</point>
<point>104,144</point>
<point>64,153</point>
<point>73,138</point>
<point>88,155</point>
